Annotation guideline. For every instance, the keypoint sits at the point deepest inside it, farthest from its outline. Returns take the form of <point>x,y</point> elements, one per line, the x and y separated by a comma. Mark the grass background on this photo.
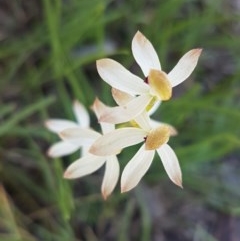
<point>48,51</point>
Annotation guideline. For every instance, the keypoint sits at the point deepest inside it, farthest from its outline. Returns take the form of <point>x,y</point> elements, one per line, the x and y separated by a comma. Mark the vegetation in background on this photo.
<point>47,59</point>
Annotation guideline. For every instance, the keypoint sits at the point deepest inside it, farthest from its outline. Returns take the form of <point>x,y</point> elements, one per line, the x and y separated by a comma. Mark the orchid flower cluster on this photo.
<point>137,99</point>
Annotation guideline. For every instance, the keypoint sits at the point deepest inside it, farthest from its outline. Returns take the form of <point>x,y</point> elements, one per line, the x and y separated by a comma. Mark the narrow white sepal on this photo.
<point>184,67</point>
<point>84,166</point>
<point>113,142</point>
<point>79,136</point>
<point>81,114</point>
<point>61,148</point>
<point>58,125</point>
<point>145,54</point>
<point>171,164</point>
<point>99,108</point>
<point>111,176</point>
<point>120,78</point>
<point>120,97</point>
<point>136,169</point>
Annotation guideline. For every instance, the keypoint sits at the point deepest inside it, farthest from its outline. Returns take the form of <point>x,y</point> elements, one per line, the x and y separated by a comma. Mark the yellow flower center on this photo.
<point>160,85</point>
<point>157,137</point>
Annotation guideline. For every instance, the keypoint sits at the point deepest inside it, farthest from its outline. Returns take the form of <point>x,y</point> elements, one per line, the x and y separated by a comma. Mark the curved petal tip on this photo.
<point>196,52</point>
<point>67,175</point>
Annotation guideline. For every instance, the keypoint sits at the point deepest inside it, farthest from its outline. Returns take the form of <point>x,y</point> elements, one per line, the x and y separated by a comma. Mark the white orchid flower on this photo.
<point>154,140</point>
<point>122,98</point>
<point>63,148</point>
<point>157,85</point>
<point>91,163</point>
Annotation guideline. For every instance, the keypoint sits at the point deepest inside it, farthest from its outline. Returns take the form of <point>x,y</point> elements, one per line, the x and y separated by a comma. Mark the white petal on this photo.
<point>125,113</point>
<point>170,163</point>
<point>110,176</point>
<point>58,125</point>
<point>61,148</point>
<point>106,127</point>
<point>144,53</point>
<point>81,114</point>
<point>112,143</point>
<point>120,97</point>
<point>84,166</point>
<point>99,108</point>
<point>79,136</point>
<point>120,78</point>
<point>184,67</point>
<point>84,150</point>
<point>136,168</point>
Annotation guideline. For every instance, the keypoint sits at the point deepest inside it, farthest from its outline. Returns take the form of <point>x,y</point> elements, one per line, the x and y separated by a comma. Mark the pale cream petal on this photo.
<point>81,114</point>
<point>79,136</point>
<point>106,127</point>
<point>110,176</point>
<point>120,78</point>
<point>84,150</point>
<point>61,148</point>
<point>120,97</point>
<point>99,108</point>
<point>113,142</point>
<point>184,67</point>
<point>170,163</point>
<point>144,53</point>
<point>58,125</point>
<point>125,113</point>
<point>136,168</point>
<point>84,166</point>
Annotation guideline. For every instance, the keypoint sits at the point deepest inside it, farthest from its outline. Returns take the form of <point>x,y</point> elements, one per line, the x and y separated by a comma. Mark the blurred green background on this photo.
<point>48,51</point>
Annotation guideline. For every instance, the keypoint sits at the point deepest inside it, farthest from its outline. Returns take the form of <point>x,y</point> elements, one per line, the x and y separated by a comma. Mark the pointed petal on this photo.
<point>79,136</point>
<point>58,125</point>
<point>144,53</point>
<point>120,78</point>
<point>125,113</point>
<point>136,169</point>
<point>84,166</point>
<point>184,67</point>
<point>99,108</point>
<point>110,176</point>
<point>81,114</point>
<point>170,163</point>
<point>61,148</point>
<point>113,142</point>
<point>120,97</point>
